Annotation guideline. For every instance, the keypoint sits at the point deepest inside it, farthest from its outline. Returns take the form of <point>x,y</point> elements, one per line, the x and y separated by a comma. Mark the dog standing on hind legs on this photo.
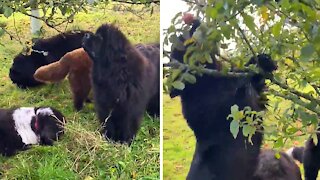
<point>206,105</point>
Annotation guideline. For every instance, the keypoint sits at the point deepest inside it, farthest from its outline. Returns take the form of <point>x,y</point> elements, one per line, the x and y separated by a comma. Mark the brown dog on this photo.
<point>78,65</point>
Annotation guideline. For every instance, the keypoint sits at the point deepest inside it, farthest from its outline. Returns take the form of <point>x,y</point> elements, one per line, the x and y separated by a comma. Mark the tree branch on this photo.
<point>293,91</point>
<point>247,41</point>
<point>303,69</point>
<point>215,73</point>
<point>137,3</point>
<point>297,101</point>
<point>11,36</point>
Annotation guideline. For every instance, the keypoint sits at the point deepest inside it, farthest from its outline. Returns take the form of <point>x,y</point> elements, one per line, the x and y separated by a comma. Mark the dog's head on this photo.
<point>48,124</point>
<point>23,68</point>
<point>92,44</point>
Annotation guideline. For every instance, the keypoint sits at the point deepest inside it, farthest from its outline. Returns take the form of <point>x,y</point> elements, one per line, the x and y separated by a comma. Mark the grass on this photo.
<point>81,153</point>
<point>179,141</point>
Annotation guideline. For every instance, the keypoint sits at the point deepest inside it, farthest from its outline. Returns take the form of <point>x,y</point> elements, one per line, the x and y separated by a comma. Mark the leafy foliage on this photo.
<point>246,119</point>
<point>233,31</point>
<point>59,12</point>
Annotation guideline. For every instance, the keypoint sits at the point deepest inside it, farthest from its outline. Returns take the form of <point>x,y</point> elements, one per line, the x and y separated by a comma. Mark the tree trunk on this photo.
<point>35,23</point>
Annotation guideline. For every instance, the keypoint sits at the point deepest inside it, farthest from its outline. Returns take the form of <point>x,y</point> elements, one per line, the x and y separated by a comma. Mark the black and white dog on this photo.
<point>25,126</point>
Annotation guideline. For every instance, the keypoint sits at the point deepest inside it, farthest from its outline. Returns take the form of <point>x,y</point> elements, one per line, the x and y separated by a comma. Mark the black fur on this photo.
<point>48,130</point>
<point>272,168</point>
<point>24,66</point>
<point>297,153</point>
<point>266,66</point>
<point>124,81</point>
<point>310,157</point>
<point>205,106</point>
<point>152,53</point>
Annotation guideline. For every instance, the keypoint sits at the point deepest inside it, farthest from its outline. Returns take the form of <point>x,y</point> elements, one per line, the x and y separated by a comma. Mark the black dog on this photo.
<point>124,82</point>
<point>152,53</point>
<point>45,51</point>
<point>206,105</point>
<point>309,156</point>
<point>26,126</point>
<point>272,168</point>
<point>296,153</point>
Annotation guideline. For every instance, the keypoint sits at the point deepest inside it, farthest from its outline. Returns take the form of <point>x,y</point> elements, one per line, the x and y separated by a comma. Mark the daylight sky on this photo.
<point>169,8</point>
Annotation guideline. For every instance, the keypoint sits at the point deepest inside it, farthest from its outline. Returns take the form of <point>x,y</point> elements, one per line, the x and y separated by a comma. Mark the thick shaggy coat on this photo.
<point>205,106</point>
<point>152,53</point>
<point>124,81</point>
<point>77,65</point>
<point>272,168</point>
<point>309,156</point>
<point>45,52</point>
<point>25,126</point>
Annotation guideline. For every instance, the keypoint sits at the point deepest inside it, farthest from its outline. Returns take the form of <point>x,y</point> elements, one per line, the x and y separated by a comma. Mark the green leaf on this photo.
<point>175,73</point>
<point>279,143</point>
<point>314,138</point>
<point>276,29</point>
<point>212,12</point>
<point>277,155</point>
<point>249,21</point>
<point>285,3</point>
<point>226,31</point>
<point>277,77</point>
<point>208,58</point>
<point>171,29</point>
<point>7,11</point>
<point>1,32</point>
<point>235,113</point>
<point>307,52</point>
<point>178,85</point>
<point>234,109</point>
<point>246,130</point>
<point>234,128</point>
<point>190,78</point>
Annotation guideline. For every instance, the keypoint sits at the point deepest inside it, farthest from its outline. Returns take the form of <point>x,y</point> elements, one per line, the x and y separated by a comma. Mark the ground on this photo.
<point>81,153</point>
<point>178,141</point>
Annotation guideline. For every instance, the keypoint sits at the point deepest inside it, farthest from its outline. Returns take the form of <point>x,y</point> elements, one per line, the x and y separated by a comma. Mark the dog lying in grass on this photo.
<point>25,126</point>
<point>45,51</point>
<point>78,65</point>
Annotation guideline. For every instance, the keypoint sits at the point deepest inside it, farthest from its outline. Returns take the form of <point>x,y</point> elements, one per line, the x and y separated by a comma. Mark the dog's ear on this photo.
<point>264,62</point>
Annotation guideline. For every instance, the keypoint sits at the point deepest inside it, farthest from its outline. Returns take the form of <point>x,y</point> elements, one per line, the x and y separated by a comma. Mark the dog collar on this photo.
<point>36,123</point>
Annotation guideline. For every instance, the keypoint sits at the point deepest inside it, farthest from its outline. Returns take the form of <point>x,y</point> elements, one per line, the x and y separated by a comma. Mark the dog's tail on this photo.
<point>296,153</point>
<point>53,72</point>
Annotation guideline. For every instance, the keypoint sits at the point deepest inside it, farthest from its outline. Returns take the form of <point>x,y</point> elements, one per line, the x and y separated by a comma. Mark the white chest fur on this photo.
<point>22,119</point>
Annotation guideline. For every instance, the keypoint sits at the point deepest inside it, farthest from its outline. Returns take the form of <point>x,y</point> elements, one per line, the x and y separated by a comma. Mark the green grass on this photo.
<point>81,153</point>
<point>178,141</point>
